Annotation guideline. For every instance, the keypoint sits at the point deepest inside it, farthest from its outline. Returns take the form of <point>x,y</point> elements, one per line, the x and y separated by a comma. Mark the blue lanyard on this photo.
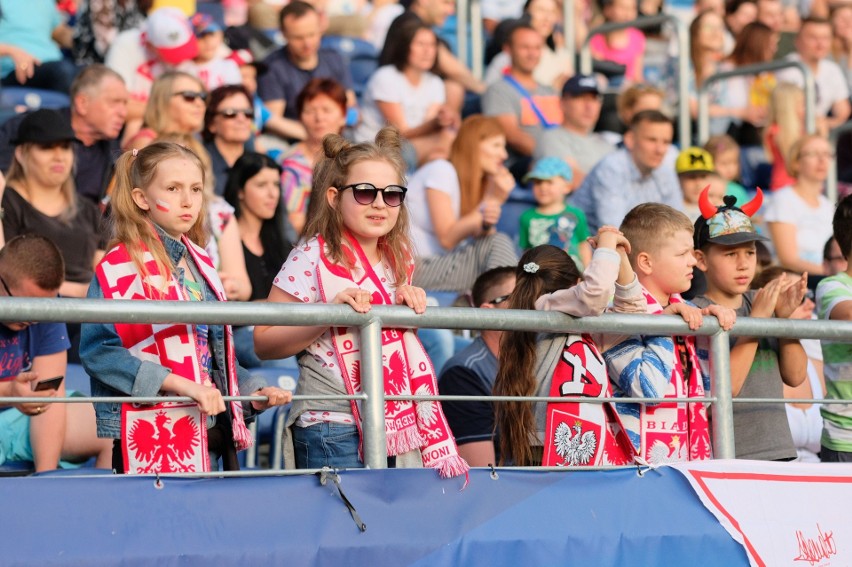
<point>525,93</point>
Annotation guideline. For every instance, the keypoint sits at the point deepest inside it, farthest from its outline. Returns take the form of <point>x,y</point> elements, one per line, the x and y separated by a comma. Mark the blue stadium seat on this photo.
<point>10,97</point>
<point>361,57</point>
<point>76,379</point>
<point>264,426</point>
<point>17,468</point>
<point>519,201</point>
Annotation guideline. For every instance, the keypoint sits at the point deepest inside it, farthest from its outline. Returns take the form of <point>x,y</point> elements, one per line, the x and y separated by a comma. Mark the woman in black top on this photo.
<point>254,190</point>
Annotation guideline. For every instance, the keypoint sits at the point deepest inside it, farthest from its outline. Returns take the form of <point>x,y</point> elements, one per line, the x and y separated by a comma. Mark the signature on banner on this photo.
<point>814,550</point>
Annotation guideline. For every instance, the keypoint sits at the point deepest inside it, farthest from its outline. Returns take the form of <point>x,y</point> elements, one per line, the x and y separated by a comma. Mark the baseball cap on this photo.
<point>44,126</point>
<point>728,224</point>
<point>167,30</point>
<point>694,160</point>
<point>580,84</point>
<point>204,24</point>
<point>548,168</point>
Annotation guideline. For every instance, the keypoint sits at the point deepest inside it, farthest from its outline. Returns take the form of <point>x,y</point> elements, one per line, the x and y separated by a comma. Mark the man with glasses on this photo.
<point>472,371</point>
<point>34,353</point>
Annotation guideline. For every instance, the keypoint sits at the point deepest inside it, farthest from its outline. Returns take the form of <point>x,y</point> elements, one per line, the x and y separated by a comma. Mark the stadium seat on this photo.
<point>11,97</point>
<point>361,57</point>
<point>263,429</point>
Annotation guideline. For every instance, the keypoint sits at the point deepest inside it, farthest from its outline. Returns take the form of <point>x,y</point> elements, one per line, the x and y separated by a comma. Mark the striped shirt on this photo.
<point>837,356</point>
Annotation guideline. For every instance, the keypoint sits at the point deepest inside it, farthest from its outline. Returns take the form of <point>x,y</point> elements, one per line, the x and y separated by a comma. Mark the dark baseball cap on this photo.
<point>580,84</point>
<point>727,225</point>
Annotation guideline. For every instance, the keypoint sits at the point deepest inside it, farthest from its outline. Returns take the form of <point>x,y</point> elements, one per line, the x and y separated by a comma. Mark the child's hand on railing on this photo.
<point>725,315</point>
<point>277,397</point>
<point>358,298</point>
<point>414,297</point>
<point>691,314</point>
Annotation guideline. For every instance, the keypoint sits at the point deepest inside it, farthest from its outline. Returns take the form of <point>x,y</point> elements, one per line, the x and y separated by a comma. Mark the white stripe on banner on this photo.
<point>782,513</point>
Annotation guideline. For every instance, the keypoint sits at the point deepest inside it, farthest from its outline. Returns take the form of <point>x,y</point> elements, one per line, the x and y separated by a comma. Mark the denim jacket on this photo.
<point>116,372</point>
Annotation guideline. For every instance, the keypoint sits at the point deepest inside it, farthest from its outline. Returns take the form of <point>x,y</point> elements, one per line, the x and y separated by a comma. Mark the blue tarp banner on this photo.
<point>412,518</point>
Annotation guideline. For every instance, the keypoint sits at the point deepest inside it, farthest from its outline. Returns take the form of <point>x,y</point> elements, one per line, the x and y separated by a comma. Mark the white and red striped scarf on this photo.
<point>174,345</point>
<point>407,368</point>
<point>675,423</point>
<point>583,434</point>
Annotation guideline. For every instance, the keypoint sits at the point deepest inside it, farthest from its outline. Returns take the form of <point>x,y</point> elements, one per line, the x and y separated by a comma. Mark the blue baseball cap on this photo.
<point>548,168</point>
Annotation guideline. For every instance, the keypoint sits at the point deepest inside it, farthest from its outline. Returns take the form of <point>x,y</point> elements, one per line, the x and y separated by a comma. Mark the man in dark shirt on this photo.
<point>290,68</point>
<point>97,114</point>
<point>472,371</point>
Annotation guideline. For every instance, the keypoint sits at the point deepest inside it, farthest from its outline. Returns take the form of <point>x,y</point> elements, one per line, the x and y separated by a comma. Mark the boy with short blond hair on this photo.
<point>663,367</point>
<point>725,247</point>
<point>834,302</point>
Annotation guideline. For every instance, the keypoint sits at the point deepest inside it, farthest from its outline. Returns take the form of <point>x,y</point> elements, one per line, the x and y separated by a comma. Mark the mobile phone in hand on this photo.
<point>49,384</point>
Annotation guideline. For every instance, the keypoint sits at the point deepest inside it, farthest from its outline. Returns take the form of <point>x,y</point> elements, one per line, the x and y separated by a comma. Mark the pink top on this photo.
<point>628,55</point>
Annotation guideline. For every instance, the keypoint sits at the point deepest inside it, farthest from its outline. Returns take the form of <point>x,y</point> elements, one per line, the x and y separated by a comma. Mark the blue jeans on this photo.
<point>326,444</point>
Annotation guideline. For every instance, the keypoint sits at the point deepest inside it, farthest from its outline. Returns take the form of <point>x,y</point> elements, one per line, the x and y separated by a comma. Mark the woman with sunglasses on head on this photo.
<point>227,132</point>
<point>357,251</point>
<point>175,106</point>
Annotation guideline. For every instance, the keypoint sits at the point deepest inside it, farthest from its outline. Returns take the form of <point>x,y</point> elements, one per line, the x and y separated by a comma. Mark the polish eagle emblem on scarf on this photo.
<point>163,449</point>
<point>576,448</point>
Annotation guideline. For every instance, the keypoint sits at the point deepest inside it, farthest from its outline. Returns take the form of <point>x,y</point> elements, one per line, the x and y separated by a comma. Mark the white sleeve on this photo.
<point>298,275</point>
<point>384,85</point>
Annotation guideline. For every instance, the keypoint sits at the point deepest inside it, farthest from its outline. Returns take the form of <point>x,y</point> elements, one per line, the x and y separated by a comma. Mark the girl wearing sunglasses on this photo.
<point>228,130</point>
<point>358,253</point>
<point>175,106</point>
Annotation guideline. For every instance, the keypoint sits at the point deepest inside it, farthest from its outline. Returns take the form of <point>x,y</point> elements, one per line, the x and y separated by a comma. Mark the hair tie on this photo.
<point>531,268</point>
<point>134,152</point>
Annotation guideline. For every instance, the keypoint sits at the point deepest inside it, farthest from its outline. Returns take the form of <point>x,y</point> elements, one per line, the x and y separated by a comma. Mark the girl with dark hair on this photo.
<point>564,433</point>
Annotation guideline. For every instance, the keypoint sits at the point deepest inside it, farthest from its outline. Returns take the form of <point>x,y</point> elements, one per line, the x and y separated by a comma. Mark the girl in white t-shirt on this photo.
<point>359,254</point>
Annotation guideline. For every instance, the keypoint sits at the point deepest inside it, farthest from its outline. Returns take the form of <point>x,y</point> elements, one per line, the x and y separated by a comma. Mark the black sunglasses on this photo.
<point>231,113</point>
<point>191,96</point>
<point>499,300</point>
<point>365,193</point>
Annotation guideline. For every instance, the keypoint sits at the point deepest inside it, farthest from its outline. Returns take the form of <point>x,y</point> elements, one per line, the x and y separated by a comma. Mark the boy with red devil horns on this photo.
<point>724,248</point>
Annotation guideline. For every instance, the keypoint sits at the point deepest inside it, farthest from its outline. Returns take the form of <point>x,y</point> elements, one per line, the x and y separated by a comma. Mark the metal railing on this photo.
<point>469,15</point>
<point>684,123</point>
<point>831,182</point>
<point>370,326</point>
<point>704,92</point>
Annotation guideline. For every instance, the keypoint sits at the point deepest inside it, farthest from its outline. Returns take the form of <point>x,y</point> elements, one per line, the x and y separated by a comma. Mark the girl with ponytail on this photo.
<point>569,365</point>
<point>356,251</point>
<point>156,254</point>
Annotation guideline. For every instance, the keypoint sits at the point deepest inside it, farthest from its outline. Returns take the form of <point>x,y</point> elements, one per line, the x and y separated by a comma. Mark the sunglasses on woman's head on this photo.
<point>365,193</point>
<point>191,96</point>
<point>231,113</point>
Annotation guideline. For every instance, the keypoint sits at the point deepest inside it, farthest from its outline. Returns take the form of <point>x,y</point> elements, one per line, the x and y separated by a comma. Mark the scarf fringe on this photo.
<point>451,466</point>
<point>242,436</point>
<point>400,442</point>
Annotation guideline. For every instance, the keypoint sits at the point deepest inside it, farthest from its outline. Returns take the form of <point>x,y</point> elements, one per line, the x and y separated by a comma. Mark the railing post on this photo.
<point>568,31</point>
<point>684,123</point>
<point>462,18</point>
<point>373,385</point>
<point>477,41</point>
<point>723,408</point>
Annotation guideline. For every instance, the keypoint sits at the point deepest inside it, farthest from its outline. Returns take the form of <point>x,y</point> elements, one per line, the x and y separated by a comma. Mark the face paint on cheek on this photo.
<point>163,206</point>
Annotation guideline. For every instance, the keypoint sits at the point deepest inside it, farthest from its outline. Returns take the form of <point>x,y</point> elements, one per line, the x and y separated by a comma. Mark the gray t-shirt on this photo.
<point>761,431</point>
<point>586,151</point>
<point>503,98</point>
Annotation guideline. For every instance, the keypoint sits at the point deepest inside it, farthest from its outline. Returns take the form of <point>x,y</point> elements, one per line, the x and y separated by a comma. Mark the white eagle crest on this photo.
<point>576,449</point>
<point>427,411</point>
<point>674,452</point>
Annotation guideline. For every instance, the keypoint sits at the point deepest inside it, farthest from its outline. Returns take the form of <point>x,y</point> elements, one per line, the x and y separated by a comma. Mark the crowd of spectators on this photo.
<point>253,86</point>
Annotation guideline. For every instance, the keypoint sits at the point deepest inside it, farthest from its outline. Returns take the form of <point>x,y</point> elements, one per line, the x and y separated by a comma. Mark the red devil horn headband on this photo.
<point>752,206</point>
<point>707,208</point>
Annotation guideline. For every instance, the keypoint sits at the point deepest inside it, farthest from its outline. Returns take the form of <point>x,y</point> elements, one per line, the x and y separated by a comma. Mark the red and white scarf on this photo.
<point>666,426</point>
<point>407,367</point>
<point>174,345</point>
<point>583,434</point>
